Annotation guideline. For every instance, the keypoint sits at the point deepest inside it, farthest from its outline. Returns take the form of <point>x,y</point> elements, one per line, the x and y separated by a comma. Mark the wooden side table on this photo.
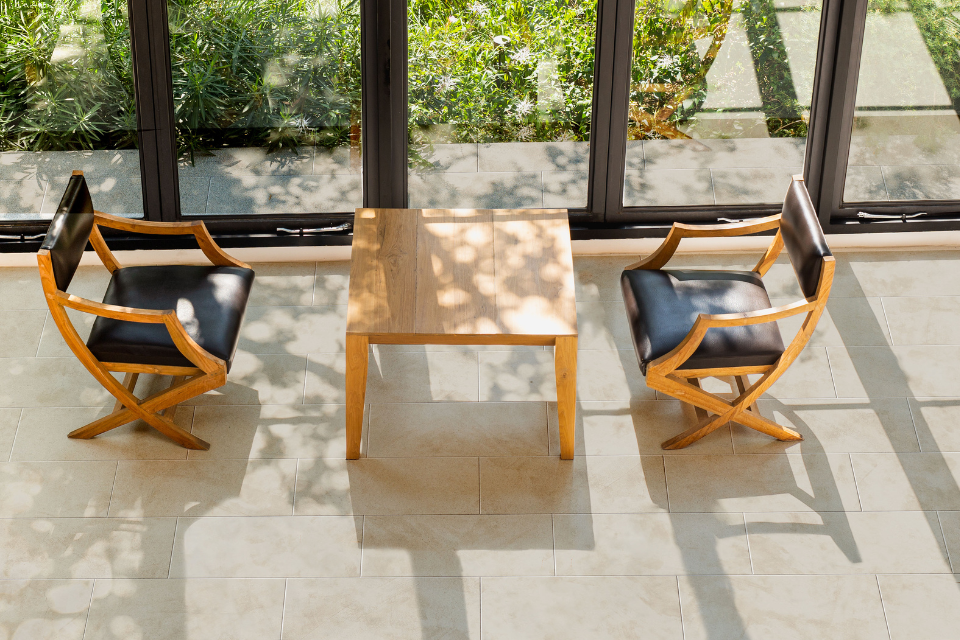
<point>462,276</point>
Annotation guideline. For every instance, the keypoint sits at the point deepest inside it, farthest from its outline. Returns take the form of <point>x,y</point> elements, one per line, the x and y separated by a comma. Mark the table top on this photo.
<point>462,272</point>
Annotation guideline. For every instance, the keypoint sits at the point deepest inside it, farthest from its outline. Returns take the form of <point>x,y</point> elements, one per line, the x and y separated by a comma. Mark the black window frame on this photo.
<point>384,139</point>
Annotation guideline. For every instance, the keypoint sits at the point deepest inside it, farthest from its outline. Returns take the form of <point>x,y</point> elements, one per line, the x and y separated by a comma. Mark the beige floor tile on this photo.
<point>531,376</point>
<point>598,277</point>
<point>603,324</point>
<point>44,609</point>
<point>388,486</point>
<point>270,547</point>
<point>85,547</point>
<point>651,544</point>
<point>56,489</point>
<point>560,608</point>
<point>598,484</point>
<point>782,607</point>
<point>196,609</point>
<point>271,431</point>
<point>297,330</point>
<point>458,545</point>
<point>151,488</point>
<point>9,421</point>
<point>921,606</point>
<point>43,436</point>
<point>22,329</point>
<point>446,376</point>
<point>950,526</point>
<point>936,422</point>
<point>833,426</point>
<point>260,379</point>
<point>878,372</point>
<point>807,377</point>
<point>851,322</point>
<point>52,344</point>
<point>756,483</point>
<point>49,382</point>
<point>899,273</point>
<point>326,379</point>
<point>377,608</point>
<point>852,542</point>
<point>283,284</point>
<point>908,481</point>
<point>930,320</point>
<point>333,283</point>
<point>20,288</point>
<point>458,429</point>
<point>518,376</point>
<point>629,428</point>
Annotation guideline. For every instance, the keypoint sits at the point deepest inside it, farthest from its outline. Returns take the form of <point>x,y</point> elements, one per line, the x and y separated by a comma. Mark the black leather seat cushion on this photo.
<point>663,305</point>
<point>210,303</point>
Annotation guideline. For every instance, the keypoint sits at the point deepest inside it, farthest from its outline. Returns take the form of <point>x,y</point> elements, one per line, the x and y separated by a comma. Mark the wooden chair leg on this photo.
<point>129,383</point>
<point>742,385</point>
<point>701,414</point>
<point>151,410</point>
<point>171,410</point>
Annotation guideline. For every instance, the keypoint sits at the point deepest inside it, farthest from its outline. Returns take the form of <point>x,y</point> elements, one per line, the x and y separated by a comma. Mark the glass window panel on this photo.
<point>267,99</point>
<point>66,103</point>
<point>500,93</point>
<point>906,133</point>
<point>719,100</point>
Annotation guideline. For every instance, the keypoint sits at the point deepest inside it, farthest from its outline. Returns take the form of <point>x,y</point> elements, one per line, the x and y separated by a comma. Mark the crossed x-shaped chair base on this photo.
<point>742,410</point>
<point>156,410</point>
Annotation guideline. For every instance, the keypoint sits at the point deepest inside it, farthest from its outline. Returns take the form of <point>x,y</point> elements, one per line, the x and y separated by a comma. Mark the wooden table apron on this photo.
<point>461,276</point>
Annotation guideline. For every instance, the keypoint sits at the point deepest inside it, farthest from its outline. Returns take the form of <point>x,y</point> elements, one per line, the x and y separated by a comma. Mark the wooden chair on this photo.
<point>175,320</point>
<point>689,325</point>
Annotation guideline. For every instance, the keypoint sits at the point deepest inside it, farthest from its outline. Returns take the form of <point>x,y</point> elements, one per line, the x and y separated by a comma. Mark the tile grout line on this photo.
<point>666,488</point>
<point>683,632</point>
<point>886,321</point>
<point>833,378</point>
<point>856,484</point>
<point>946,547</point>
<point>16,432</point>
<point>40,342</point>
<point>913,421</point>
<point>296,478</point>
<point>173,547</point>
<point>746,535</point>
<point>86,619</point>
<point>283,607</point>
<point>113,488</point>
<point>883,607</point>
<point>553,531</point>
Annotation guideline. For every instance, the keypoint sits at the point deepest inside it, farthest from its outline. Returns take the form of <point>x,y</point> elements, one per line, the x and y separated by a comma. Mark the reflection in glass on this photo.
<point>500,93</point>
<point>66,103</point>
<point>719,99</point>
<point>267,102</point>
<point>906,133</point>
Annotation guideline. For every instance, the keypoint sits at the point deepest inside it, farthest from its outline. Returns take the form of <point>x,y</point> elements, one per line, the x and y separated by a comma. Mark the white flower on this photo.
<point>446,83</point>
<point>524,107</point>
<point>566,136</point>
<point>478,8</point>
<point>525,133</point>
<point>665,61</point>
<point>522,56</point>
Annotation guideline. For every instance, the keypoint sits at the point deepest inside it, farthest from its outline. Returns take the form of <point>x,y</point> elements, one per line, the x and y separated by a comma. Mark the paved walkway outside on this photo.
<point>460,521</point>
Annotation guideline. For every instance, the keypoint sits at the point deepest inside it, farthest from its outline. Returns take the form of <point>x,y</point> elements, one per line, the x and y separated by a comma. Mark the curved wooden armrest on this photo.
<point>192,351</point>
<point>210,248</point>
<point>679,231</point>
<point>682,352</point>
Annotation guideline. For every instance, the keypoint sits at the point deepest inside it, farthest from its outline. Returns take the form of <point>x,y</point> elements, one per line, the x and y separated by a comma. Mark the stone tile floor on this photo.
<point>460,521</point>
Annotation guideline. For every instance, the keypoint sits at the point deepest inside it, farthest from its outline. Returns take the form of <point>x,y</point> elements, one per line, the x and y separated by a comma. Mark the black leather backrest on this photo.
<point>69,232</point>
<point>803,237</point>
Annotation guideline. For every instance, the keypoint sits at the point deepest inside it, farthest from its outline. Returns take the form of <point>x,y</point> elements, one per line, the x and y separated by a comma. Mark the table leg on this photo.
<point>358,347</point>
<point>565,361</point>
